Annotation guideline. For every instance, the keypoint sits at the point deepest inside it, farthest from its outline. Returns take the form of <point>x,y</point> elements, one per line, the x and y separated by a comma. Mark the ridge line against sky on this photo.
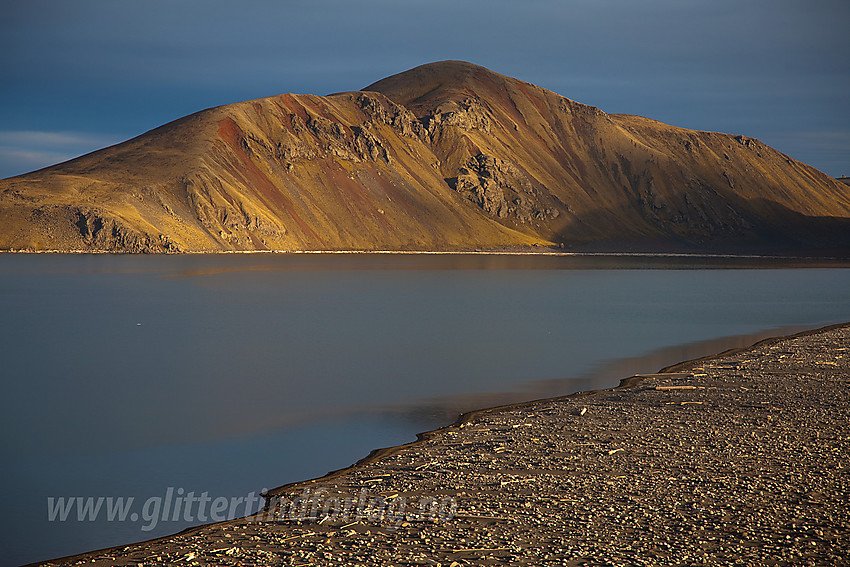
<point>83,75</point>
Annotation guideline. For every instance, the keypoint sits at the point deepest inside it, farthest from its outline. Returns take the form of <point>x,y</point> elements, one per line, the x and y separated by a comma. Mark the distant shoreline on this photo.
<point>552,253</point>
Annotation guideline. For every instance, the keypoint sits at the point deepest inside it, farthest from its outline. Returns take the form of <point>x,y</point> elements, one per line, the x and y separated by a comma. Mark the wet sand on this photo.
<point>738,458</point>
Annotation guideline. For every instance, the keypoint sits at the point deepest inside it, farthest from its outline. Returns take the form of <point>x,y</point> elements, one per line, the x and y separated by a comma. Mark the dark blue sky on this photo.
<point>80,75</point>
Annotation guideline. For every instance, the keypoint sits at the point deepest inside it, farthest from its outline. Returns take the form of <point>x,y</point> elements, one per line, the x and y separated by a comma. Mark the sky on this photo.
<point>76,76</point>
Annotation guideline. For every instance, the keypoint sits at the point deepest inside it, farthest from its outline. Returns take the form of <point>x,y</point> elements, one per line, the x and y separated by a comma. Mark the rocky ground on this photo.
<point>739,459</point>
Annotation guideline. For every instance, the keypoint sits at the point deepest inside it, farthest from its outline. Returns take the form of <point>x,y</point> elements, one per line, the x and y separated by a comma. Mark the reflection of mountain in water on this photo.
<point>438,412</point>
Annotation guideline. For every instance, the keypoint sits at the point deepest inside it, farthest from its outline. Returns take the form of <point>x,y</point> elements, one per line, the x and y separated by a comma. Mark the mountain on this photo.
<point>446,156</point>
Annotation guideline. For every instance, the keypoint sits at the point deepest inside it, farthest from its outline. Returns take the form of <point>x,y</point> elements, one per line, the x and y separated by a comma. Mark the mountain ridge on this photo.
<point>445,156</point>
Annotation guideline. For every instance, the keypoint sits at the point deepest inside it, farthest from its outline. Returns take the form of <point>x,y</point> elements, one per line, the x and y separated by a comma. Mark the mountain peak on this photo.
<point>446,156</point>
<point>439,81</point>
<point>450,71</point>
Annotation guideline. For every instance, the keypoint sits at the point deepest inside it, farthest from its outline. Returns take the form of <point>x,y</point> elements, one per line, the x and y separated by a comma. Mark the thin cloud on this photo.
<point>32,157</point>
<point>32,138</point>
<point>22,151</point>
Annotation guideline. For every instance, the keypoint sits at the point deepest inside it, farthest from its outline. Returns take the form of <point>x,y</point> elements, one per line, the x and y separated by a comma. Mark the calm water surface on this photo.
<point>229,374</point>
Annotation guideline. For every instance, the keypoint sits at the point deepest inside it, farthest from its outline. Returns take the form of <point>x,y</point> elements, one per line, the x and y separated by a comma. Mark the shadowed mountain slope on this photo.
<point>446,156</point>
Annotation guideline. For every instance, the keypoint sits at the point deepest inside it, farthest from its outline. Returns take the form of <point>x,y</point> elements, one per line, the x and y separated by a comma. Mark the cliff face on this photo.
<point>447,156</point>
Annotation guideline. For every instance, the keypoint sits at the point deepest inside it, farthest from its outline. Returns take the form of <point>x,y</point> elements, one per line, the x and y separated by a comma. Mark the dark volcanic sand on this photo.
<point>745,465</point>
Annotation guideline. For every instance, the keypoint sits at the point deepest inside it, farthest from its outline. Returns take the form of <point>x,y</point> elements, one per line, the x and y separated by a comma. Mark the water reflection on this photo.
<point>124,375</point>
<point>436,412</point>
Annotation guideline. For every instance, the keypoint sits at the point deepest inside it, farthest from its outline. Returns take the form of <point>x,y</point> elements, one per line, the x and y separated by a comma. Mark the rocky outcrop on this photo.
<point>468,114</point>
<point>91,228</point>
<point>502,190</point>
<point>380,109</point>
<point>237,223</point>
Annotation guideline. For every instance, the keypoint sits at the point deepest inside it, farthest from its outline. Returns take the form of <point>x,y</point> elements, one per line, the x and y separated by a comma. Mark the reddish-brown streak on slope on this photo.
<point>557,148</point>
<point>294,106</point>
<point>512,111</point>
<point>281,107</point>
<point>231,133</point>
<point>257,241</point>
<point>396,194</point>
<point>347,187</point>
<point>497,88</point>
<point>361,202</point>
<point>317,106</point>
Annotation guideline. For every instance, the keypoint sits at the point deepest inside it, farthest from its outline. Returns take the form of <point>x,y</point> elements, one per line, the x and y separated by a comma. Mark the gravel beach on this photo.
<point>736,459</point>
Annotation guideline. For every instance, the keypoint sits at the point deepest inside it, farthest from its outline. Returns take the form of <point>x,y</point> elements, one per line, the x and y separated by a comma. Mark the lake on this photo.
<point>129,376</point>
